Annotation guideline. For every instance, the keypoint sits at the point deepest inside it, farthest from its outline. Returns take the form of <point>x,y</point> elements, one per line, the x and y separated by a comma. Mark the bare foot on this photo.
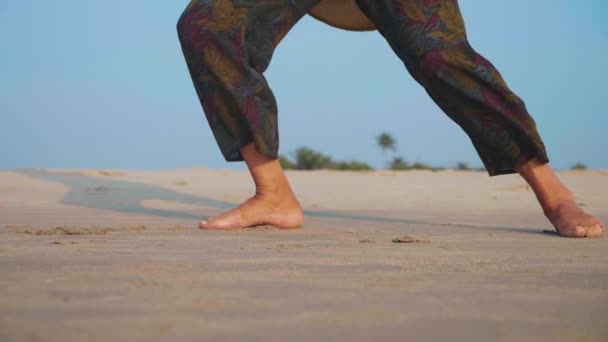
<point>259,209</point>
<point>571,221</point>
<point>274,202</point>
<point>558,202</point>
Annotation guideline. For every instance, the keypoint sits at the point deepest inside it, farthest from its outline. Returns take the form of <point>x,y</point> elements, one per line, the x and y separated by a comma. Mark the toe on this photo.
<point>594,228</point>
<point>574,232</point>
<point>595,231</point>
<point>220,224</point>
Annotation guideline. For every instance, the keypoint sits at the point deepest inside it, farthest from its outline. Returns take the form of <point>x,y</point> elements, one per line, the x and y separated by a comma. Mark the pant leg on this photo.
<point>429,37</point>
<point>228,44</point>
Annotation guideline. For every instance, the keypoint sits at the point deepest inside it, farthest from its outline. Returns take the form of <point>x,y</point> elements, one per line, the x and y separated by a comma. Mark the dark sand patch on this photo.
<point>67,230</point>
<point>517,188</point>
<point>180,228</point>
<point>261,228</point>
<point>409,239</point>
<point>99,188</point>
<point>105,173</point>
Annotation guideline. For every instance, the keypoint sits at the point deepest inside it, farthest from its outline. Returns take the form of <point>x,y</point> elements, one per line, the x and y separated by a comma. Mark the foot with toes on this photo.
<point>571,221</point>
<point>282,213</point>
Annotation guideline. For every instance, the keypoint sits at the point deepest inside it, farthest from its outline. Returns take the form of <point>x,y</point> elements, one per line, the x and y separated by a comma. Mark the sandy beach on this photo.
<point>116,255</point>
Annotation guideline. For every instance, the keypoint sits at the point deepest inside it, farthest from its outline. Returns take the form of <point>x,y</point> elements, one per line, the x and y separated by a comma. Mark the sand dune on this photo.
<point>397,256</point>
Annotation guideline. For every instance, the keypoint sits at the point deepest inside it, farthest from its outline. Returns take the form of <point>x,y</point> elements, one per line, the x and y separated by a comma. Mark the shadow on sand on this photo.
<point>125,196</point>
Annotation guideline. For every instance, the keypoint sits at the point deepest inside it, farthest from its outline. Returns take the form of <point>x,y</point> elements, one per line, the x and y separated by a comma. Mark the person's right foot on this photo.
<point>279,211</point>
<point>558,202</point>
<point>571,221</point>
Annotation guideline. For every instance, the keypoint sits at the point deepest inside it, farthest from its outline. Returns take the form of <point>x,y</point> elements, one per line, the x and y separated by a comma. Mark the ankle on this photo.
<point>271,184</point>
<point>549,190</point>
<point>270,190</point>
<point>274,192</point>
<point>553,204</point>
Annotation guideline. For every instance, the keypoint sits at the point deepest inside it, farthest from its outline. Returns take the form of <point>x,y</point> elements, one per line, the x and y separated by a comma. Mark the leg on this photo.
<point>228,44</point>
<point>429,36</point>
<point>273,203</point>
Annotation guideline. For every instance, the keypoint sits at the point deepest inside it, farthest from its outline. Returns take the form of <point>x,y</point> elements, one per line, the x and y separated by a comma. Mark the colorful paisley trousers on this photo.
<point>228,44</point>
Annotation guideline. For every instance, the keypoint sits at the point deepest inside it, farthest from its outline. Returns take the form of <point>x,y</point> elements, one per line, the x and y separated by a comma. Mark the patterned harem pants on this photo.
<point>228,44</point>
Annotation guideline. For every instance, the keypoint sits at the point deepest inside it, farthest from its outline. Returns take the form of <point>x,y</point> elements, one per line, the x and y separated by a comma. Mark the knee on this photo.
<point>425,67</point>
<point>431,65</point>
<point>182,21</point>
<point>185,24</point>
<point>194,23</point>
<point>197,35</point>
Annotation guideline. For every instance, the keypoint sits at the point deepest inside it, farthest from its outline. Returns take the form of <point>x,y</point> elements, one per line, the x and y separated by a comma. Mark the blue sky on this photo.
<point>103,84</point>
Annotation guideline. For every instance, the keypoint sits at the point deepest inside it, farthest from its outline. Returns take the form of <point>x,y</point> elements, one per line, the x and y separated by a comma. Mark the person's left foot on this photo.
<point>281,211</point>
<point>571,221</point>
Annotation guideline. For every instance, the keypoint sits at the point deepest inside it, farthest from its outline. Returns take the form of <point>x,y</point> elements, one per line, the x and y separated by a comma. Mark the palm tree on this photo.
<point>386,143</point>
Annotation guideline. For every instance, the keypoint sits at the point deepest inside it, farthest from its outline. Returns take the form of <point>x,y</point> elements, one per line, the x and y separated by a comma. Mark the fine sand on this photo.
<point>108,255</point>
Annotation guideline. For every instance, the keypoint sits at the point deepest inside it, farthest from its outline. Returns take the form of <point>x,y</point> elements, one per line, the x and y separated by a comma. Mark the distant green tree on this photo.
<point>462,166</point>
<point>424,166</point>
<point>286,164</point>
<point>578,166</point>
<point>308,159</point>
<point>351,165</point>
<point>386,143</point>
<point>399,164</point>
<point>421,166</point>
